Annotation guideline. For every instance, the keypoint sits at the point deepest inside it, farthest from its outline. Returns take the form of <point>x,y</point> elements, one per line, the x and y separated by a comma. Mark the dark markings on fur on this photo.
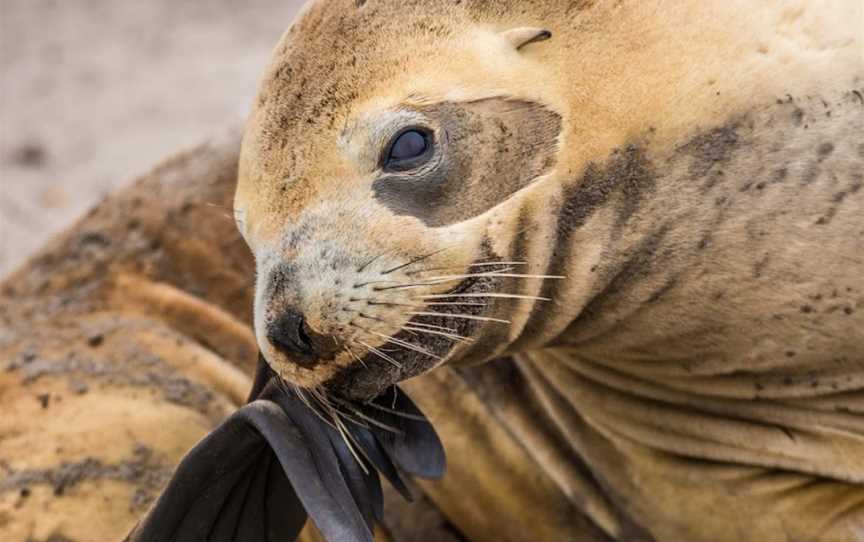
<point>282,280</point>
<point>797,116</point>
<point>143,470</point>
<point>627,173</point>
<point>139,371</point>
<point>520,246</point>
<point>710,151</point>
<point>635,179</point>
<point>667,286</point>
<point>489,150</point>
<point>493,338</point>
<point>627,176</point>
<point>639,264</point>
<point>837,201</point>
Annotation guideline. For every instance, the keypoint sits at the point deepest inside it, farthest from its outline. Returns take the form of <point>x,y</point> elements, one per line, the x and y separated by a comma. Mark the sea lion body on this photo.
<point>656,212</point>
<point>692,170</point>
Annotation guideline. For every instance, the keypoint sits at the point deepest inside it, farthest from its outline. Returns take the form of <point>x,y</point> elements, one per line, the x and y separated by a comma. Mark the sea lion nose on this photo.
<point>291,334</point>
<point>288,334</point>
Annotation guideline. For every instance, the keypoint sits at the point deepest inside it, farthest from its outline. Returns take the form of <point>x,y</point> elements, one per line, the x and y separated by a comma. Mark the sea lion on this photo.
<point>633,423</point>
<point>654,209</point>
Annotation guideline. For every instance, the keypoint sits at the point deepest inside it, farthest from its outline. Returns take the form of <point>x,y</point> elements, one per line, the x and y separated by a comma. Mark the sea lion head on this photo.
<point>377,183</point>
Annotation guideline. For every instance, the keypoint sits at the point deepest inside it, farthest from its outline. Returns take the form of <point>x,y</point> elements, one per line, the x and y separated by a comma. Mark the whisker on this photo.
<point>370,262</point>
<point>321,397</point>
<point>478,274</point>
<point>362,284</point>
<point>299,393</point>
<point>449,278</point>
<point>348,439</point>
<point>413,261</point>
<point>399,342</point>
<point>465,303</point>
<point>462,317</point>
<point>379,353</point>
<point>380,424</point>
<point>433,281</point>
<point>376,303</point>
<point>397,413</point>
<point>460,267</point>
<point>356,357</point>
<point>506,269</point>
<point>305,400</point>
<point>369,419</point>
<point>431,326</point>
<point>343,431</point>
<point>405,286</point>
<point>488,294</point>
<point>346,415</point>
<point>457,338</point>
<point>367,317</point>
<point>407,345</point>
<point>362,452</point>
<point>497,275</point>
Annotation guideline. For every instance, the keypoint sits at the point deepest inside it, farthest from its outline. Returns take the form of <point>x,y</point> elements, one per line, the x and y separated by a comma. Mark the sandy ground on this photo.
<point>93,92</point>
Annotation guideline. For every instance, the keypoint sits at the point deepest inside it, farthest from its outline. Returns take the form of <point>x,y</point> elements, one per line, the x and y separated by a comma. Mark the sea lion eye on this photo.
<point>408,149</point>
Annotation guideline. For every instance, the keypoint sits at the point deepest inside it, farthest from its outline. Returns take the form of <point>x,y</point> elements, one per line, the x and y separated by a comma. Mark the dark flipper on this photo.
<point>416,448</point>
<point>258,475</point>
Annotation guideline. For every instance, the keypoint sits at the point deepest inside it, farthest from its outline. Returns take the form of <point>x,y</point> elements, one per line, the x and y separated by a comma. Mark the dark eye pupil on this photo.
<point>409,145</point>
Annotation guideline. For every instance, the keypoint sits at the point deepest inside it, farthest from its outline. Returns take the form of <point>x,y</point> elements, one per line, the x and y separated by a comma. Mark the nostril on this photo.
<point>290,334</point>
<point>303,333</point>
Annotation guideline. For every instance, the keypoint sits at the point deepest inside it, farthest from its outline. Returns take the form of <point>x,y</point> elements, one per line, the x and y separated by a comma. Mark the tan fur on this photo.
<point>704,208</point>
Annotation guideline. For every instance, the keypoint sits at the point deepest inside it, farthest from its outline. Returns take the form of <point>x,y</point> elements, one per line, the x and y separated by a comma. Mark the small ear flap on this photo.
<point>520,37</point>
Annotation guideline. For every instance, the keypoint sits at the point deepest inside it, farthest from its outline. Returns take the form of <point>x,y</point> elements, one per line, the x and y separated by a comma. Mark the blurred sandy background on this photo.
<point>94,92</point>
